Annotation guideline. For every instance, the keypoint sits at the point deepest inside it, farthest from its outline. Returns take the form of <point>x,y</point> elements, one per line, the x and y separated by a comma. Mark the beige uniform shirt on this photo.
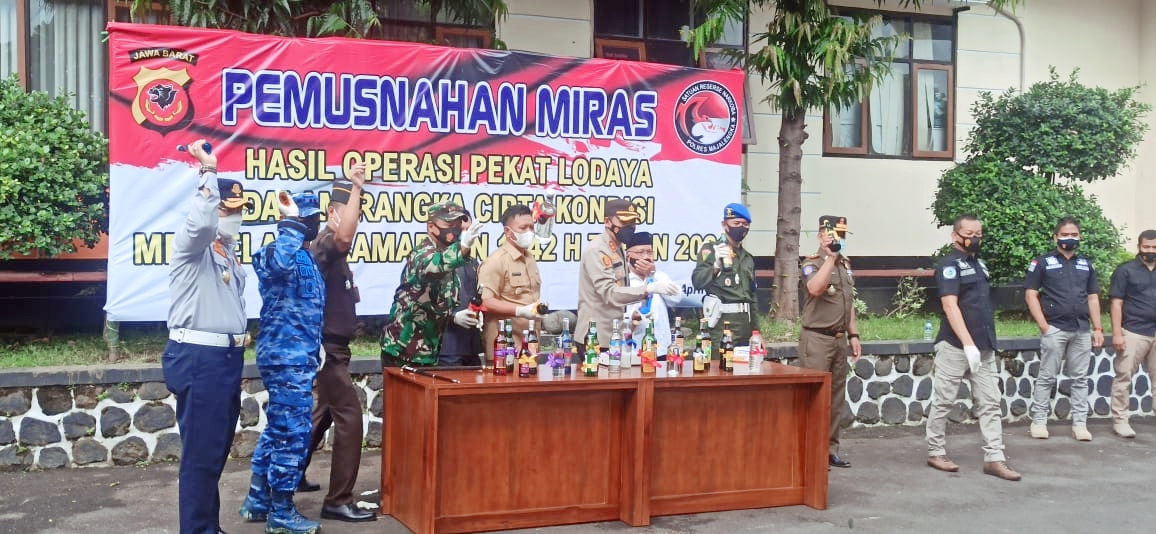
<point>603,291</point>
<point>511,275</point>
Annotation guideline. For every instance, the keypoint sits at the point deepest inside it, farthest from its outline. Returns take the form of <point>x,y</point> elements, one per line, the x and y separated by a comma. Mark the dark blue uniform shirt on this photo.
<point>966,277</point>
<point>1064,285</point>
<point>1136,285</point>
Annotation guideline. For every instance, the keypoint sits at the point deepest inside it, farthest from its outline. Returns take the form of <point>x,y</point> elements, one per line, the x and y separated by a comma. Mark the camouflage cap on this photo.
<point>308,204</point>
<point>446,210</point>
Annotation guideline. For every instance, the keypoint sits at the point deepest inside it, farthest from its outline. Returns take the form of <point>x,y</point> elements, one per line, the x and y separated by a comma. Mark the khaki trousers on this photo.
<point>828,353</point>
<point>950,370</point>
<point>1137,349</point>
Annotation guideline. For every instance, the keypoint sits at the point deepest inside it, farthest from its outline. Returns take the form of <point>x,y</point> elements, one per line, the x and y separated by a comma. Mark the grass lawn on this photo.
<point>145,344</point>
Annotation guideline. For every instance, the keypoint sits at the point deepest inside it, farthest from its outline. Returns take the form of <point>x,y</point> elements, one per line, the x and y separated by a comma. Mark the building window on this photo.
<point>911,113</point>
<point>154,13</point>
<point>65,55</point>
<point>654,31</point>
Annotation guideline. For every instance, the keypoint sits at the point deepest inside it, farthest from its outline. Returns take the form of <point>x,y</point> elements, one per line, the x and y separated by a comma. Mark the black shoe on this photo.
<point>346,512</point>
<point>836,461</point>
<point>305,486</point>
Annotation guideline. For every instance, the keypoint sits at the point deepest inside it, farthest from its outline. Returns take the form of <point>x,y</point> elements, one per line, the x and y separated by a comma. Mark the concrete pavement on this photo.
<point>1102,486</point>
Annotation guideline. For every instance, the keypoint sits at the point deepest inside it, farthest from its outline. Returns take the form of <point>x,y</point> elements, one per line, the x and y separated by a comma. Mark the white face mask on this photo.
<point>524,239</point>
<point>229,225</point>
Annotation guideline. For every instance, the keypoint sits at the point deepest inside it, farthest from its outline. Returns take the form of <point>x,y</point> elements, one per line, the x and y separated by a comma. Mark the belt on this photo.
<point>196,337</point>
<point>735,307</point>
<point>826,331</point>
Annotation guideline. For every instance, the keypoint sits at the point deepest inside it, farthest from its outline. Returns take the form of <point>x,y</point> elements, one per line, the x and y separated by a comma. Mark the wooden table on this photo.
<point>502,452</point>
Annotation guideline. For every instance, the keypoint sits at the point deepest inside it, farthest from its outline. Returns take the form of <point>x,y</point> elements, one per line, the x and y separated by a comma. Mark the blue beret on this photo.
<point>307,204</point>
<point>735,210</point>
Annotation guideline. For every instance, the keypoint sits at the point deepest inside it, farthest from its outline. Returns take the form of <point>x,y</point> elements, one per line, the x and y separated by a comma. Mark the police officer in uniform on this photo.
<point>965,348</point>
<point>429,292</point>
<point>337,402</point>
<point>293,301</point>
<point>1070,305</point>
<point>603,291</point>
<point>203,359</point>
<point>510,280</point>
<point>1133,308</point>
<point>727,272</point>
<point>829,321</point>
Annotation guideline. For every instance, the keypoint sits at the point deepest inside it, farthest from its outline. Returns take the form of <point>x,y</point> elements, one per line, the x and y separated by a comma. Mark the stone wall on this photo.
<point>124,415</point>
<point>53,418</point>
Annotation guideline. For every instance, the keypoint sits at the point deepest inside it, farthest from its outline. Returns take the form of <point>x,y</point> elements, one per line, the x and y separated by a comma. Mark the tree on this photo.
<point>313,18</point>
<point>53,174</point>
<point>810,58</point>
<point>1019,210</point>
<point>1063,129</point>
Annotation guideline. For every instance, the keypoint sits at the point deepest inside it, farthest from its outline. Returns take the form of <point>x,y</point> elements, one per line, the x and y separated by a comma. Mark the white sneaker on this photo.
<point>1039,431</point>
<point>1080,432</point>
<point>1123,429</point>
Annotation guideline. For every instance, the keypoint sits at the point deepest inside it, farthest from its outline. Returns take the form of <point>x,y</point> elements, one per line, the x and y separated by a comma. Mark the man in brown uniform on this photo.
<point>829,320</point>
<point>337,403</point>
<point>603,291</point>
<point>510,281</point>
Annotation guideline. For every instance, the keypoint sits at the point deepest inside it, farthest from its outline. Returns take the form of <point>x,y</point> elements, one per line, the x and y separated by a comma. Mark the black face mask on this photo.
<point>1148,257</point>
<point>736,233</point>
<point>624,234</point>
<point>971,244</point>
<point>312,226</point>
<point>1068,244</point>
<point>447,236</point>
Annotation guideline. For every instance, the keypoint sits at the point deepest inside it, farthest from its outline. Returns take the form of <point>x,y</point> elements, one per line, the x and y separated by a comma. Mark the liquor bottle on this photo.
<point>615,363</point>
<point>590,364</point>
<point>511,348</point>
<point>705,343</point>
<point>629,347</point>
<point>679,339</point>
<point>564,339</point>
<point>475,305</point>
<point>727,349</point>
<point>532,345</point>
<point>592,338</point>
<point>649,349</point>
<point>500,345</point>
<point>524,356</point>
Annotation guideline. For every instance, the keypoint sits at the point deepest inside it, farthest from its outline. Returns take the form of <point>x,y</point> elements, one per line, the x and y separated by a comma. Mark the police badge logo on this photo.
<point>162,100</point>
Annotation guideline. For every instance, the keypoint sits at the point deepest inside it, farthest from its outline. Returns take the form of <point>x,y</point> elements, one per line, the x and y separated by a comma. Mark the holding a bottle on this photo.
<point>655,310</point>
<point>510,282</point>
<point>726,271</point>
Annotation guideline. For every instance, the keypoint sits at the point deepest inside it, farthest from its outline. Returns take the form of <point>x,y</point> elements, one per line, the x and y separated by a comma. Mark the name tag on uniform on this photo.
<point>515,274</point>
<point>1052,263</point>
<point>1082,265</point>
<point>970,271</point>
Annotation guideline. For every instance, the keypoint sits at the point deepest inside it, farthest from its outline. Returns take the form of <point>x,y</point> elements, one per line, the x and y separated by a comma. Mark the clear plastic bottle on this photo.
<point>927,330</point>
<point>758,353</point>
<point>615,361</point>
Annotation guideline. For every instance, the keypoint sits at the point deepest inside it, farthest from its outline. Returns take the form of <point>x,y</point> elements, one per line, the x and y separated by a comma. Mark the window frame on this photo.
<point>600,44</point>
<point>602,40</point>
<point>911,106</point>
<point>443,32</point>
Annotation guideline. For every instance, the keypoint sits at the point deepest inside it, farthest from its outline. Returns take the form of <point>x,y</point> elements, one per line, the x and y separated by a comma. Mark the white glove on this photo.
<point>663,287</point>
<point>286,206</point>
<point>466,318</point>
<point>528,311</point>
<point>973,357</point>
<point>469,235</point>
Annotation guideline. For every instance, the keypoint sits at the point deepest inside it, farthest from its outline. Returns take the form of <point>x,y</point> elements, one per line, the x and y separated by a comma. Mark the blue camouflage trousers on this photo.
<point>281,449</point>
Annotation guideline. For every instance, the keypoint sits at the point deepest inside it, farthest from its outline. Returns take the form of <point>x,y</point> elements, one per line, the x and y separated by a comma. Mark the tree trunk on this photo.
<point>786,289</point>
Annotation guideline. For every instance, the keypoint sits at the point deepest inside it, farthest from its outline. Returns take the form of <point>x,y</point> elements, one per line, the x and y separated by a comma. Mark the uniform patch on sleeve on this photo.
<point>808,269</point>
<point>606,261</point>
<point>949,272</point>
<point>1032,266</point>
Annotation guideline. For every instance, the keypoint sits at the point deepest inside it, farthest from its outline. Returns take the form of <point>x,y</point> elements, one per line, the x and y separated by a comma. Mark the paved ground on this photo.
<point>1102,486</point>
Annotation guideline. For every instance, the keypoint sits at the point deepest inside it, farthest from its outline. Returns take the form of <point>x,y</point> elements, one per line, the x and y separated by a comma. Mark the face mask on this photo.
<point>524,240</point>
<point>971,245</point>
<point>229,226</point>
<point>1068,243</point>
<point>1148,257</point>
<point>446,236</point>
<point>624,234</point>
<point>736,233</point>
<point>312,226</point>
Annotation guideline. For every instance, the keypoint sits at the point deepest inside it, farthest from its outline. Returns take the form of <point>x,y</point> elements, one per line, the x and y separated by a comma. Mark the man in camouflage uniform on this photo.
<point>727,272</point>
<point>293,299</point>
<point>429,292</point>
